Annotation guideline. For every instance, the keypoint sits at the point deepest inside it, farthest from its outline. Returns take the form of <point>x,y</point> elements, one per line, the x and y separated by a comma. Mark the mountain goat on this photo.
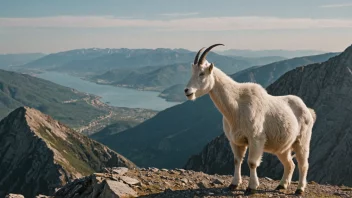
<point>255,119</point>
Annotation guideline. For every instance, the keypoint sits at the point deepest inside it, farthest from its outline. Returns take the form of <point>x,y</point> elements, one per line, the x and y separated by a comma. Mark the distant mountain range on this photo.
<point>159,78</point>
<point>39,154</point>
<point>267,74</point>
<point>325,87</point>
<point>147,69</point>
<point>98,61</point>
<point>269,53</point>
<point>7,61</point>
<point>168,139</point>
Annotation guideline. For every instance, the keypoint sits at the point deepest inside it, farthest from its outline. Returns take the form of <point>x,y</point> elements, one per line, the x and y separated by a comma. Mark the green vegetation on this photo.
<point>70,151</point>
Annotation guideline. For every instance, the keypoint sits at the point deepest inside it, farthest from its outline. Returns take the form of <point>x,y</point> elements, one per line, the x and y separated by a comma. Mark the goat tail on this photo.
<point>314,115</point>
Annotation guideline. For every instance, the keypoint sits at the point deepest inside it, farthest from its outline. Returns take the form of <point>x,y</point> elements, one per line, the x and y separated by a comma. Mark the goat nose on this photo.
<point>186,90</point>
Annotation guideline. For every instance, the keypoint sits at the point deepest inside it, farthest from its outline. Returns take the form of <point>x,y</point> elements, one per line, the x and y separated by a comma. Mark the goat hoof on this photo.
<point>299,192</point>
<point>250,191</point>
<point>280,187</point>
<point>233,187</point>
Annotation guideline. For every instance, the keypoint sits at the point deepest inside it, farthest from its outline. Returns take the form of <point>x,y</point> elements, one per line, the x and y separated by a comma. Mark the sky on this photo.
<point>50,26</point>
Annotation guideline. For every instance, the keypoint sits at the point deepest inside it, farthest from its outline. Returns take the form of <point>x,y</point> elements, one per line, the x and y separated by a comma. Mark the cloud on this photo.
<point>337,5</point>
<point>185,24</point>
<point>179,14</point>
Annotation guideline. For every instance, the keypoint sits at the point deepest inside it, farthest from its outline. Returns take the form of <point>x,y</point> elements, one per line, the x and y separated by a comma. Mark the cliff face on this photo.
<point>325,87</point>
<point>39,154</point>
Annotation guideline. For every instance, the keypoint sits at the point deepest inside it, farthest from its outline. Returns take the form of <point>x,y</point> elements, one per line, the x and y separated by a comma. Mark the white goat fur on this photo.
<point>255,119</point>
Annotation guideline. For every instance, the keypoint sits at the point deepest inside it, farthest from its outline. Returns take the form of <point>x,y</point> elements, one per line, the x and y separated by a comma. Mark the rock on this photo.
<point>184,180</point>
<point>129,180</point>
<point>164,170</point>
<point>202,184</point>
<point>173,172</point>
<point>181,170</point>
<point>14,196</point>
<point>218,181</point>
<point>96,187</point>
<point>120,170</point>
<point>154,169</point>
<point>117,189</point>
<point>269,179</point>
<point>43,196</point>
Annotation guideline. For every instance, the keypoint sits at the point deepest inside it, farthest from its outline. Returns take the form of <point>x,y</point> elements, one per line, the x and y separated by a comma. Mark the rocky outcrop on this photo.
<point>39,154</point>
<point>112,183</point>
<point>325,87</point>
<point>176,183</point>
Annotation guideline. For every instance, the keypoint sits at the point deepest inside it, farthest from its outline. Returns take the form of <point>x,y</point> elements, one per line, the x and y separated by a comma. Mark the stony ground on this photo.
<point>163,183</point>
<point>184,183</point>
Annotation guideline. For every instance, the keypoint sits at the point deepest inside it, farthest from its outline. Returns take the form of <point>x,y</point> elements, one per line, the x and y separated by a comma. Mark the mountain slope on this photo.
<point>325,87</point>
<point>168,139</point>
<point>174,93</point>
<point>155,78</point>
<point>65,104</point>
<point>265,75</point>
<point>9,60</point>
<point>39,154</point>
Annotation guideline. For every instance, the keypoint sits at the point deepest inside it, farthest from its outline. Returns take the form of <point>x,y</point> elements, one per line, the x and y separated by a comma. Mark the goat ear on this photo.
<point>211,67</point>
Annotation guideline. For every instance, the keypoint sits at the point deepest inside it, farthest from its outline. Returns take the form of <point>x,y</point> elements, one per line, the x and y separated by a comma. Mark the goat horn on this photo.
<point>197,56</point>
<point>202,58</point>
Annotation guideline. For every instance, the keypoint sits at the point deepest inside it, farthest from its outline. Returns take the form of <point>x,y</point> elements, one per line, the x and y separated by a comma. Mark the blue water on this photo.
<point>114,96</point>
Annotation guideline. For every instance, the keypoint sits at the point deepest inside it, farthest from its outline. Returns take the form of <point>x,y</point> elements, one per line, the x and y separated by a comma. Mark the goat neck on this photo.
<point>224,94</point>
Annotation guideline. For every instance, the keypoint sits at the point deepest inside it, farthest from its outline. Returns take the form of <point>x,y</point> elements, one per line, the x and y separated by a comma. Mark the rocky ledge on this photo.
<point>160,183</point>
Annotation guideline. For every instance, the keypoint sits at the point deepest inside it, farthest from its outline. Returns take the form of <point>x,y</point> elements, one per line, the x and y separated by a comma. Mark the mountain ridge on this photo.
<point>39,154</point>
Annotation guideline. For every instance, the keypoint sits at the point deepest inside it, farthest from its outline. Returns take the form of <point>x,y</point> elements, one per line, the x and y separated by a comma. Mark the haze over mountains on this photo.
<point>98,61</point>
<point>325,87</point>
<point>270,53</point>
<point>142,69</point>
<point>167,139</point>
<point>10,60</point>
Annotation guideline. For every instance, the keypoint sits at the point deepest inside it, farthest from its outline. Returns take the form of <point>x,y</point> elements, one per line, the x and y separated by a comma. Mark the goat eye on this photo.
<point>201,74</point>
